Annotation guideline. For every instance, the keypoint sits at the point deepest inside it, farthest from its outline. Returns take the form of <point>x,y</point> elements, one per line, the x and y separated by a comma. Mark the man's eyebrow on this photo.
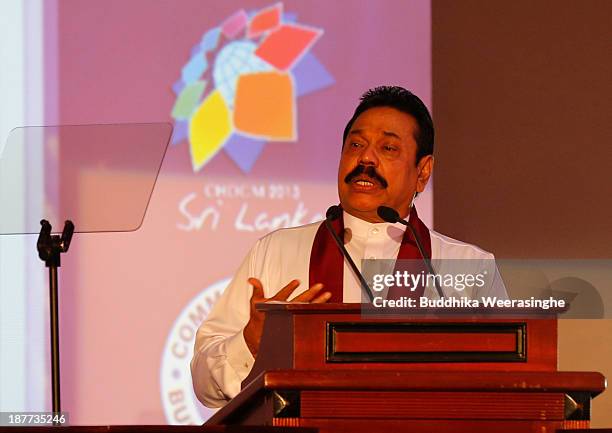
<point>385,133</point>
<point>391,134</point>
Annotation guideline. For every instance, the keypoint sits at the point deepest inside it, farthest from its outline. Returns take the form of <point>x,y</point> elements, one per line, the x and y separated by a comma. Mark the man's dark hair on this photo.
<point>404,101</point>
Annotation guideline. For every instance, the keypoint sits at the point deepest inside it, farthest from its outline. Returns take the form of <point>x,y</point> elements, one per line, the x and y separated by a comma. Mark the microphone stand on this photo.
<point>347,256</point>
<point>426,259</point>
<point>49,249</point>
<point>390,215</point>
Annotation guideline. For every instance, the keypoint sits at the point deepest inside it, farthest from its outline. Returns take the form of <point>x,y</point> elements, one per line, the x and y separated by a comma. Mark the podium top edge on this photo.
<point>371,311</point>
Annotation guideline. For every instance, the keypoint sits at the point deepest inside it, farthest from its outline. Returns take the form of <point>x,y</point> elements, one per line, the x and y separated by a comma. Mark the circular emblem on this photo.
<point>178,398</point>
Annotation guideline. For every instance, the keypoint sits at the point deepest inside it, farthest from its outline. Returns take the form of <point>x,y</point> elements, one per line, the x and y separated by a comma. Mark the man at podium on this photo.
<point>386,160</point>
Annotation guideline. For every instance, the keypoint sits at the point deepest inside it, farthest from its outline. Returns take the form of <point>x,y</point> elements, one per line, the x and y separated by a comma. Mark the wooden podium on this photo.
<point>333,367</point>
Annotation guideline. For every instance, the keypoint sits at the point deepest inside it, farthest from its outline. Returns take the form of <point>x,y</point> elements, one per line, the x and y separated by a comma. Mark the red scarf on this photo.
<point>327,262</point>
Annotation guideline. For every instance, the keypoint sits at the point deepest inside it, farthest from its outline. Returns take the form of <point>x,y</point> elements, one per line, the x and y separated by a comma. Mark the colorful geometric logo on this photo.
<point>239,89</point>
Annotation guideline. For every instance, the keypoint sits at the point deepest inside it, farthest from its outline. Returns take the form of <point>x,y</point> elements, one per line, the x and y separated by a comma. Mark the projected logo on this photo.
<point>240,87</point>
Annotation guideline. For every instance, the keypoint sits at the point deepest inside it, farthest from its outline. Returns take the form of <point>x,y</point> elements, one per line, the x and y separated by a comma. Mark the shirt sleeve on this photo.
<point>221,359</point>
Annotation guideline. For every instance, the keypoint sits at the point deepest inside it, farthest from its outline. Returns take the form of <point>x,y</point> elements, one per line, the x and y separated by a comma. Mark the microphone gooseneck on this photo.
<point>390,215</point>
<point>333,213</point>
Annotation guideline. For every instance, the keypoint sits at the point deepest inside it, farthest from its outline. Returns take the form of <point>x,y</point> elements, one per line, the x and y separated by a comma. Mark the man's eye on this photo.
<point>354,144</point>
<point>389,148</point>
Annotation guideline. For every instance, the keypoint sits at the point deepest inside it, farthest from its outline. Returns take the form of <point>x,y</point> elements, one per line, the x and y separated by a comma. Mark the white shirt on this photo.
<point>222,360</point>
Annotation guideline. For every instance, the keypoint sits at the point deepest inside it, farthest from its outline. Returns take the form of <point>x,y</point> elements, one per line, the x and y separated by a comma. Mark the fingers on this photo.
<point>313,294</point>
<point>258,291</point>
<point>322,298</point>
<point>257,317</point>
<point>309,294</point>
<point>284,293</point>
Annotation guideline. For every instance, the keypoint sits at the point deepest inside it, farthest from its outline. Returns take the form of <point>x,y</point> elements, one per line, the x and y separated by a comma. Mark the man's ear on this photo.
<point>424,170</point>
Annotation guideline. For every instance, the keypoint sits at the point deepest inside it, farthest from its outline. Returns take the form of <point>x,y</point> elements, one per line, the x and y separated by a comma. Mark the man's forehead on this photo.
<point>384,121</point>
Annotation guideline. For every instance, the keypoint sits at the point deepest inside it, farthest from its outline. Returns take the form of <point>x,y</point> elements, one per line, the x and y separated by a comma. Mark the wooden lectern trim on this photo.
<point>389,342</point>
<point>453,405</point>
<point>425,342</point>
<point>535,350</point>
<point>500,381</point>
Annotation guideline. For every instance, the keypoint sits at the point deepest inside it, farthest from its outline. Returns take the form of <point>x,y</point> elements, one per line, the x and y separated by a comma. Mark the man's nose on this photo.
<point>369,156</point>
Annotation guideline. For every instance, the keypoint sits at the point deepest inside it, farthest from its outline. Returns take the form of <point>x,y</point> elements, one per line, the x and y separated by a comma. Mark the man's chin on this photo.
<point>361,208</point>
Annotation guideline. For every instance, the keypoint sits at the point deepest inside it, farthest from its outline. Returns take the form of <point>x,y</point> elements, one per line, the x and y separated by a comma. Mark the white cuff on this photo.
<point>238,355</point>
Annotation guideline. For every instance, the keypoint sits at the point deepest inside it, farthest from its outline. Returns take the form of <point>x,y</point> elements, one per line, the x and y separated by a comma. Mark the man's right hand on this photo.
<point>254,328</point>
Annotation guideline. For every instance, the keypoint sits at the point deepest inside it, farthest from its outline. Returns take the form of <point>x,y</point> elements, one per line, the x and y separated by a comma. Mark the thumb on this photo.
<point>258,291</point>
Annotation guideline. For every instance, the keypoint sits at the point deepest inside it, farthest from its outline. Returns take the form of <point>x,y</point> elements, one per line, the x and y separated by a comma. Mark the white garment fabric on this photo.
<point>222,360</point>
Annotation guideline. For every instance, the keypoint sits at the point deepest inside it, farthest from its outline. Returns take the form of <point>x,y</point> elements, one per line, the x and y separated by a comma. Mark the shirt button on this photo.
<point>375,231</point>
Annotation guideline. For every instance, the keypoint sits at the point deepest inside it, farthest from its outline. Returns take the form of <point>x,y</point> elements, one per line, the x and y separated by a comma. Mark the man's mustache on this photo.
<point>369,171</point>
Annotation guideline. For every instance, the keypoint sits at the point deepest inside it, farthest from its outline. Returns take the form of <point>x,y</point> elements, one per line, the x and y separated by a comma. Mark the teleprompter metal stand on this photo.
<point>54,174</point>
<point>50,247</point>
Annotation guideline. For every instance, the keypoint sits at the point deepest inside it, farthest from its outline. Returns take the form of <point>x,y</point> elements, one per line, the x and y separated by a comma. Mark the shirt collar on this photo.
<point>362,229</point>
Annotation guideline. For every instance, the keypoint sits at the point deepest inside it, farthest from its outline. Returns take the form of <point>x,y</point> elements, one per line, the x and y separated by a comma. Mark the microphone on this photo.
<point>390,215</point>
<point>333,213</point>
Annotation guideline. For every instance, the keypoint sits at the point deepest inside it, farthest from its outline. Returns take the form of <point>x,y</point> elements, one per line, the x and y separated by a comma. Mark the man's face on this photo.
<point>377,166</point>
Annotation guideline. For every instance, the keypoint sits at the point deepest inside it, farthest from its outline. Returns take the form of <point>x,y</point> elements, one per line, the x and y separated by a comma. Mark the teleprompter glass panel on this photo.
<point>98,176</point>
